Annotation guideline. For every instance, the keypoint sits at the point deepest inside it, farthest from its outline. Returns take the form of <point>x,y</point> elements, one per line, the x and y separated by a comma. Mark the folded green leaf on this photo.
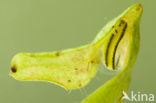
<point>119,52</point>
<point>117,44</point>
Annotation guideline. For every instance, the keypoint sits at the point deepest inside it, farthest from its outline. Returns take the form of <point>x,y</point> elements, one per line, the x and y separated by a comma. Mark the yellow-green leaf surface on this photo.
<point>70,69</point>
<point>74,68</point>
<point>119,52</point>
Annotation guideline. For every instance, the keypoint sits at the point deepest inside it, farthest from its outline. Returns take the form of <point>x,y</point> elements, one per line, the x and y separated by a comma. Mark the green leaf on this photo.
<point>70,69</point>
<point>74,68</point>
<point>119,52</point>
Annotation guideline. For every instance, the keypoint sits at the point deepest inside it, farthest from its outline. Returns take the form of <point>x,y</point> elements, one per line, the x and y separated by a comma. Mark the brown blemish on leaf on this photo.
<point>138,8</point>
<point>69,81</point>
<point>81,70</point>
<point>120,99</point>
<point>58,53</point>
<point>13,69</point>
<point>76,71</point>
<point>95,61</point>
<point>116,31</point>
<point>92,61</point>
<point>32,55</point>
<point>75,68</point>
<point>80,85</point>
<point>121,22</point>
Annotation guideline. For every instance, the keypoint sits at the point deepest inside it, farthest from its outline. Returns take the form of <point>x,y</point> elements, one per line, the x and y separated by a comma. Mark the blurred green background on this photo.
<point>48,25</point>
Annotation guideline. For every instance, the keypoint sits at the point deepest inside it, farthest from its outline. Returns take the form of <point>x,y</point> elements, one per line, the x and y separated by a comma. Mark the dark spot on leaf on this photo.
<point>32,55</point>
<point>92,61</point>
<point>76,68</point>
<point>58,53</point>
<point>80,85</point>
<point>116,31</point>
<point>13,69</point>
<point>69,81</point>
<point>138,8</point>
<point>122,22</point>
